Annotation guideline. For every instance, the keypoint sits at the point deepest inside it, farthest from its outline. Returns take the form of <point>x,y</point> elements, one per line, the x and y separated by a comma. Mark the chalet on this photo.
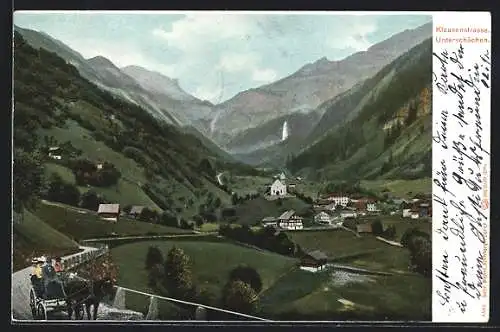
<point>338,199</point>
<point>109,212</point>
<point>406,213</point>
<point>313,261</point>
<point>269,221</point>
<point>348,214</point>
<point>55,153</point>
<point>288,220</point>
<point>330,207</point>
<point>424,210</point>
<point>136,211</point>
<point>323,218</point>
<point>278,188</point>
<point>364,228</point>
<point>372,207</point>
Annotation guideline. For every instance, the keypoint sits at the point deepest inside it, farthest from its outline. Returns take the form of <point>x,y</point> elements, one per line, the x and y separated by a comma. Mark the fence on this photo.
<point>198,311</point>
<point>83,257</point>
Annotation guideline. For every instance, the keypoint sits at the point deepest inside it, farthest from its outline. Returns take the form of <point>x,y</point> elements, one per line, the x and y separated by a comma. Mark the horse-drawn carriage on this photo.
<point>67,294</point>
<point>53,298</point>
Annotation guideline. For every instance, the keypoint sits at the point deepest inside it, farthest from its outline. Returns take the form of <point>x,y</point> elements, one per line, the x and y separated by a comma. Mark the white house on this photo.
<point>348,214</point>
<point>414,214</point>
<point>55,153</point>
<point>323,218</point>
<point>339,199</point>
<point>372,207</point>
<point>278,188</point>
<point>406,213</point>
<point>288,220</point>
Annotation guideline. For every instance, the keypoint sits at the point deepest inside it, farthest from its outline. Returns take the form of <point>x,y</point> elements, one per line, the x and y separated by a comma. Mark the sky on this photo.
<point>216,55</point>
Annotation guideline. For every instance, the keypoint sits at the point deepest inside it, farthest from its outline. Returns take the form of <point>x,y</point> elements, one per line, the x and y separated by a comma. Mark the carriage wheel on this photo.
<point>33,304</point>
<point>41,311</point>
<point>79,312</point>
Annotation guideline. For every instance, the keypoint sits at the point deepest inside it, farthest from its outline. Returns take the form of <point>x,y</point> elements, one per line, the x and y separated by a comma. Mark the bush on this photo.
<point>153,257</point>
<point>248,275</point>
<point>90,200</point>
<point>377,227</point>
<point>63,192</point>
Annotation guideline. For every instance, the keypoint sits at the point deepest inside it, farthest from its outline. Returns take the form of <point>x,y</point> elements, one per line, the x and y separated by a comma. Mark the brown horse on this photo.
<point>86,293</point>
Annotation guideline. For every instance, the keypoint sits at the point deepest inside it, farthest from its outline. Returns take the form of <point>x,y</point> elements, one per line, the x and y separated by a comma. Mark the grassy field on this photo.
<point>33,237</point>
<point>82,224</point>
<point>243,185</point>
<point>402,224</point>
<point>211,263</point>
<point>252,211</point>
<point>302,295</point>
<point>344,247</point>
<point>400,188</point>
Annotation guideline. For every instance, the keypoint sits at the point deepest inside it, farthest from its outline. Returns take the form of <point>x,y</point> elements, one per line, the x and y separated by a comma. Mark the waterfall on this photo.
<point>119,301</point>
<point>284,134</point>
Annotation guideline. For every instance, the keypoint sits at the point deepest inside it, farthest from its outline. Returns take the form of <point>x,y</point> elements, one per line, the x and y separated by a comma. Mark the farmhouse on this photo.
<point>348,214</point>
<point>364,228</point>
<point>424,210</point>
<point>109,212</point>
<point>406,213</point>
<point>278,188</point>
<point>269,221</point>
<point>55,153</point>
<point>136,211</point>
<point>338,199</point>
<point>288,220</point>
<point>313,261</point>
<point>323,218</point>
<point>372,207</point>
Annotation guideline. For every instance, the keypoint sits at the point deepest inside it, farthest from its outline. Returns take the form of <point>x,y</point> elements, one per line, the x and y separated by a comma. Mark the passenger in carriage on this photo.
<point>50,283</point>
<point>36,276</point>
<point>58,265</point>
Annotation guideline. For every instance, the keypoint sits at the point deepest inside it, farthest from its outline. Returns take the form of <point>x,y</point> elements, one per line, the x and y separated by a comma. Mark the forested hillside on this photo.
<point>387,133</point>
<point>109,147</point>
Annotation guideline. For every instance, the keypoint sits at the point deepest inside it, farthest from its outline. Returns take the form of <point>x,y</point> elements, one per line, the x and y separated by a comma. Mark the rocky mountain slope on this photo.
<point>378,129</point>
<point>309,87</point>
<point>159,165</point>
<point>159,95</point>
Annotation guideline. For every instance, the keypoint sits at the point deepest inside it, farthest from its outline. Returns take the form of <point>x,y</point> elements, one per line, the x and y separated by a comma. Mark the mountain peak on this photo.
<point>101,61</point>
<point>158,83</point>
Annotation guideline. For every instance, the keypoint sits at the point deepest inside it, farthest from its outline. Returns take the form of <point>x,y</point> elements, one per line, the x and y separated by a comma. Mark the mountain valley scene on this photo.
<point>222,166</point>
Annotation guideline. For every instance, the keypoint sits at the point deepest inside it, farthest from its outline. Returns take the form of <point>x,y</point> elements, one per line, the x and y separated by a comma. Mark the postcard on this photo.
<point>239,166</point>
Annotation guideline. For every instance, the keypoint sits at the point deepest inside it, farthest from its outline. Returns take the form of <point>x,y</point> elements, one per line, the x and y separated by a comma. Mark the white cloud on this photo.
<point>355,37</point>
<point>235,62</point>
<point>264,75</point>
<point>196,30</point>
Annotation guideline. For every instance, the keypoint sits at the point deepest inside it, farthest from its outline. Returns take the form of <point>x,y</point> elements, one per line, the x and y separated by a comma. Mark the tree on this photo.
<point>177,270</point>
<point>28,179</point>
<point>63,192</point>
<point>90,200</point>
<point>390,232</point>
<point>168,219</point>
<point>153,257</point>
<point>377,227</point>
<point>248,275</point>
<point>239,296</point>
